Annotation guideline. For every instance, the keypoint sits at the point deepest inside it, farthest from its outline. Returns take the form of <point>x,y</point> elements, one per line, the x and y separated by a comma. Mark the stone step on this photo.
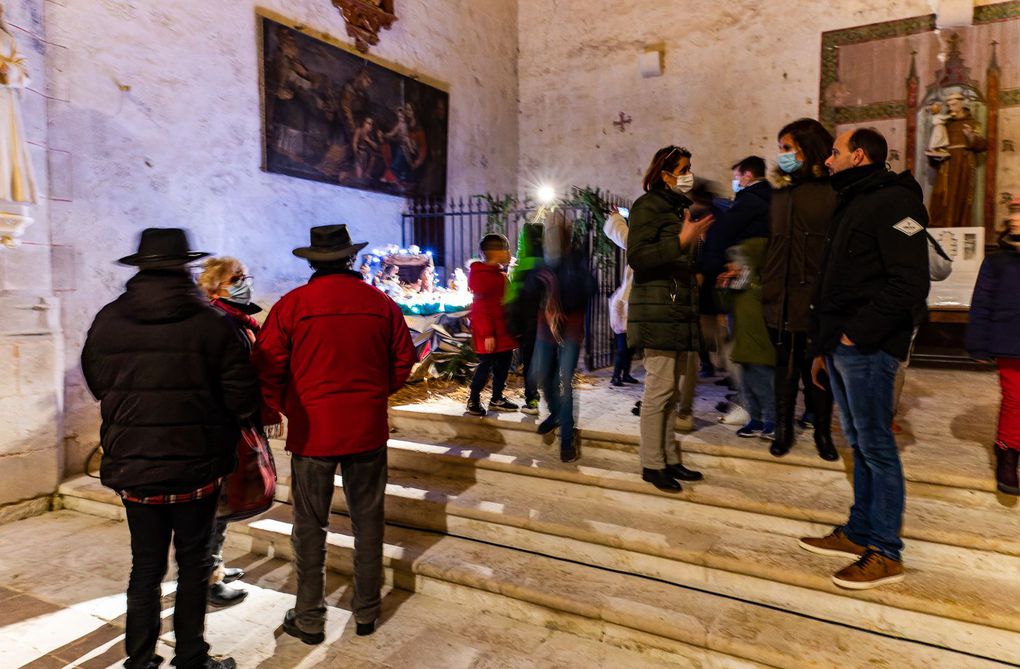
<point>694,627</point>
<point>544,528</point>
<point>963,465</point>
<point>951,598</point>
<point>937,513</point>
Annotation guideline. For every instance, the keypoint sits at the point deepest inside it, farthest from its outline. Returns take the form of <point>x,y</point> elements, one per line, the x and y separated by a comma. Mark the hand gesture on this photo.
<point>817,367</point>
<point>693,230</point>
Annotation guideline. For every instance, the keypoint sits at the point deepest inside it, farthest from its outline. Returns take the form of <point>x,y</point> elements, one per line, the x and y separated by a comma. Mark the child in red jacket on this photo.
<point>492,340</point>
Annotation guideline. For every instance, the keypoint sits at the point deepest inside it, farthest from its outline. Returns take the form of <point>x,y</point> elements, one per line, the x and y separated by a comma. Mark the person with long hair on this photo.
<point>802,206</point>
<point>663,306</point>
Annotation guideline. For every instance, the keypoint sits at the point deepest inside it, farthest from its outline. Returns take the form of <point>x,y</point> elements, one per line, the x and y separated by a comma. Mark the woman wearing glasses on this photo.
<point>663,306</point>
<point>229,288</point>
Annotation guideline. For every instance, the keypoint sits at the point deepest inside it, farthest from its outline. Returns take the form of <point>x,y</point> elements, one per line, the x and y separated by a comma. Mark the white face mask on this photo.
<point>684,183</point>
<point>736,186</point>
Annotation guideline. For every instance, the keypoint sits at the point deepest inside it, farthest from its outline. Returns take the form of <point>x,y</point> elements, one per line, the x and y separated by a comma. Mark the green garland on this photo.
<point>499,210</point>
<point>591,200</point>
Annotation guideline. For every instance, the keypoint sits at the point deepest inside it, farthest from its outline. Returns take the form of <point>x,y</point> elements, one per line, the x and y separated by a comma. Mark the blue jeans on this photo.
<point>864,386</point>
<point>553,370</point>
<point>758,392</point>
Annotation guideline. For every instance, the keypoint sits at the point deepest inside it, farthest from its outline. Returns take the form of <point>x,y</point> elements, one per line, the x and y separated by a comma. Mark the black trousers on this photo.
<point>498,364</point>
<point>153,527</point>
<point>364,476</point>
<point>624,356</point>
<point>793,367</point>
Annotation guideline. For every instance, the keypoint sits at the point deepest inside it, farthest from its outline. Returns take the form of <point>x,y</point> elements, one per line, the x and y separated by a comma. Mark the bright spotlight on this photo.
<point>546,194</point>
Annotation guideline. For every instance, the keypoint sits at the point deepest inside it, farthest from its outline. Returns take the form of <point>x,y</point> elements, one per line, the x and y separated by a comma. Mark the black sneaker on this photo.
<point>627,378</point>
<point>548,425</point>
<point>291,628</point>
<point>474,407</point>
<point>504,405</point>
<point>222,663</point>
<point>364,629</point>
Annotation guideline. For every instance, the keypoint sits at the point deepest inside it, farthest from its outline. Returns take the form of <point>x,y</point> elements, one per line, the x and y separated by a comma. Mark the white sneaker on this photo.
<point>737,416</point>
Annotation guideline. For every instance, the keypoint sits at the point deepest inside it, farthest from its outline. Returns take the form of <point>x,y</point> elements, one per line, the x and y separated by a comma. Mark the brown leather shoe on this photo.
<point>836,544</point>
<point>870,571</point>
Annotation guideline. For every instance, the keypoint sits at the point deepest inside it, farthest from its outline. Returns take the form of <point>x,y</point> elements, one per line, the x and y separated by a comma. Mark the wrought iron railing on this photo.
<point>452,231</point>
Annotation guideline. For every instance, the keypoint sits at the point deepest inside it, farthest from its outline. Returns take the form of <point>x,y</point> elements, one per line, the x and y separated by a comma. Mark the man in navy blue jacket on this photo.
<point>747,217</point>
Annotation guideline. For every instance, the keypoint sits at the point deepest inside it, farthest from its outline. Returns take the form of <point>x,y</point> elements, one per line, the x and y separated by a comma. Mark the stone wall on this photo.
<point>735,72</point>
<point>158,112</point>
<point>31,360</point>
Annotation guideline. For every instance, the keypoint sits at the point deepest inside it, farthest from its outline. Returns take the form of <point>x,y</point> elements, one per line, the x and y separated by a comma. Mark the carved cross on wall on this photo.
<point>623,122</point>
<point>365,18</point>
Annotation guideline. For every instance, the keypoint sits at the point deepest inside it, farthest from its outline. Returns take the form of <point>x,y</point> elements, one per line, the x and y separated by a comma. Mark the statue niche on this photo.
<point>951,139</point>
<point>17,181</point>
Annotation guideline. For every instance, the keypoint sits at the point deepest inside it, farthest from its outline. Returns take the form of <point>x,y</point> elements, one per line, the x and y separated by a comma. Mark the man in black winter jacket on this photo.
<point>874,277</point>
<point>173,380</point>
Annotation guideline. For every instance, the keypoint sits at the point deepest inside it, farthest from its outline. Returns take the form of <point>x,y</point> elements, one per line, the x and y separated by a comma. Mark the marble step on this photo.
<point>691,627</point>
<point>945,463</point>
<point>952,597</point>
<point>937,513</point>
<point>476,513</point>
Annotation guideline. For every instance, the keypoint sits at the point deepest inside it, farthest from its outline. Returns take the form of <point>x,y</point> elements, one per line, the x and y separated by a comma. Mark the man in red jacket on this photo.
<point>329,356</point>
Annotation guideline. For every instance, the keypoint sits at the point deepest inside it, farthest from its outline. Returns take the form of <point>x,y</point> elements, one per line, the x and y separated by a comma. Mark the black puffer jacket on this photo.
<point>875,266</point>
<point>173,379</point>
<point>663,307</point>
<point>799,218</point>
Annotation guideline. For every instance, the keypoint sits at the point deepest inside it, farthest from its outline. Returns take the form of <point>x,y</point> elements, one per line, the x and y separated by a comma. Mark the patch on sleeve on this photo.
<point>909,227</point>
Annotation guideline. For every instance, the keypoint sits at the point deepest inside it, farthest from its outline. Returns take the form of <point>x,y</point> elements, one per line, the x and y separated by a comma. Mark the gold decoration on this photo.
<point>365,18</point>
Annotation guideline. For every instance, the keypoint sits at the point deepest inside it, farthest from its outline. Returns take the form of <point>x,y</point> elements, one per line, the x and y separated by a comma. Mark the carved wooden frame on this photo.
<point>364,20</point>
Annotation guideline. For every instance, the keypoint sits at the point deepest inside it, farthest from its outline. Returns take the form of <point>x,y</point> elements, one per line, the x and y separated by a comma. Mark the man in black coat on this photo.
<point>874,278</point>
<point>173,380</point>
<point>747,217</point>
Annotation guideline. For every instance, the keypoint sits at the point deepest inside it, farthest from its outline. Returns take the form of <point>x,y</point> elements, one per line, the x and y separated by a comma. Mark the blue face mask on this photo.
<point>789,163</point>
<point>240,292</point>
<point>736,186</point>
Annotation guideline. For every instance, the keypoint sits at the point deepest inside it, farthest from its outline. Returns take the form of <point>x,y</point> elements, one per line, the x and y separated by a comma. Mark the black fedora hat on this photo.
<point>162,248</point>
<point>329,242</point>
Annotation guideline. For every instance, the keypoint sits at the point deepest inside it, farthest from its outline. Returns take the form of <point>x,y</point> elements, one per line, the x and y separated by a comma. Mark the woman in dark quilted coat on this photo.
<point>663,307</point>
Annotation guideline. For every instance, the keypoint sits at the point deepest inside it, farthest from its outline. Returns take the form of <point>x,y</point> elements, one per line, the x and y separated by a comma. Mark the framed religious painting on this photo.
<point>339,117</point>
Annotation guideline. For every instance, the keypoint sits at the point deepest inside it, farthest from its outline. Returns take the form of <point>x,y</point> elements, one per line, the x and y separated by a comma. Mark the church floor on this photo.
<point>62,580</point>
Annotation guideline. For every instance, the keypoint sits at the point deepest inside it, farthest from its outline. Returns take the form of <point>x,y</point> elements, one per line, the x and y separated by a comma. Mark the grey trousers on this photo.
<point>666,374</point>
<point>364,478</point>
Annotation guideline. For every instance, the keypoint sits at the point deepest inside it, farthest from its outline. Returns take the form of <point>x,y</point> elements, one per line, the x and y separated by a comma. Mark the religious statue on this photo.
<point>938,142</point>
<point>952,198</point>
<point>17,182</point>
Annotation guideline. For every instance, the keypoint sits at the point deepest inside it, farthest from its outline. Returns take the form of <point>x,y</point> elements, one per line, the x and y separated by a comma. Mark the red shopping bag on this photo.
<point>249,490</point>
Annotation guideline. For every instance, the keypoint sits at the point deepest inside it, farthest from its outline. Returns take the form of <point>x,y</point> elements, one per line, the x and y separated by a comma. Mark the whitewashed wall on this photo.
<point>31,379</point>
<point>735,72</point>
<point>158,111</point>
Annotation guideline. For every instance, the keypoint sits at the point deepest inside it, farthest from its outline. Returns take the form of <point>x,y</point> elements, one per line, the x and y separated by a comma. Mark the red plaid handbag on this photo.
<point>249,490</point>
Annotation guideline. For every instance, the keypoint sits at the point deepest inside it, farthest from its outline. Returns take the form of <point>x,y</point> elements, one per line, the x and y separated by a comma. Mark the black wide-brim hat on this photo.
<point>329,242</point>
<point>162,248</point>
